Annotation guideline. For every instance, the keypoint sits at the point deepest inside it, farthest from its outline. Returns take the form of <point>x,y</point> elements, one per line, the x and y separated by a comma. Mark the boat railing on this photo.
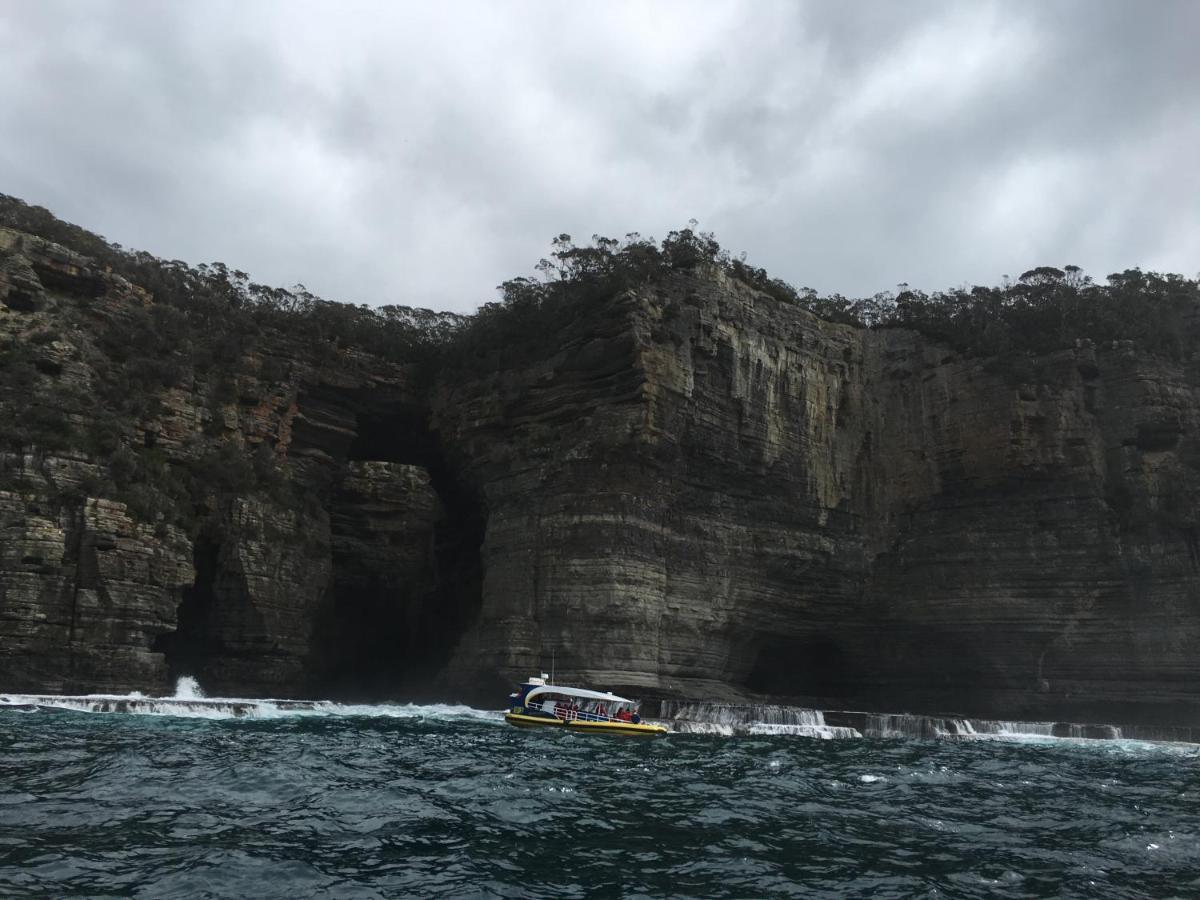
<point>582,715</point>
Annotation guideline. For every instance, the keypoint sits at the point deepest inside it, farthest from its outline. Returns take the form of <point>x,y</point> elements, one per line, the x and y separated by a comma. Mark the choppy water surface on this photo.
<point>437,801</point>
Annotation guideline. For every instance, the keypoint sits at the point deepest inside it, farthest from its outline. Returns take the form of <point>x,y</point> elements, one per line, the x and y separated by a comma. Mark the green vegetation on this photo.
<point>212,313</point>
<point>208,315</point>
<point>1046,309</point>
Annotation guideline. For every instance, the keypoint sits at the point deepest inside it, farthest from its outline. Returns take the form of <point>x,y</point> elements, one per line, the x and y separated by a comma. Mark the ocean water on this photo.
<point>413,801</point>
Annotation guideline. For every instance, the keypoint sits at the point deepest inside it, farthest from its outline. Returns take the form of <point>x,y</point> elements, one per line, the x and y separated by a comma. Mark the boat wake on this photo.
<point>190,702</point>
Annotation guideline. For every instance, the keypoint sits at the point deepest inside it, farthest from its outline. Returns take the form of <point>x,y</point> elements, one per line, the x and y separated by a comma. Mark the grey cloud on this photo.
<point>396,153</point>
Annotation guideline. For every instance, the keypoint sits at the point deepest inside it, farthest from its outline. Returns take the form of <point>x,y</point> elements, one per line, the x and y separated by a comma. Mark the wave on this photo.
<point>189,702</point>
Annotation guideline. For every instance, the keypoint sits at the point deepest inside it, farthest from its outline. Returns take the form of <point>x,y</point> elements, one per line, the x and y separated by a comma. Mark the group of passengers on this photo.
<point>570,709</point>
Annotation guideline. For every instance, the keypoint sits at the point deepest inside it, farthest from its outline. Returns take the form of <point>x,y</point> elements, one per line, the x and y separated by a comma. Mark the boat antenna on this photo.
<point>552,679</point>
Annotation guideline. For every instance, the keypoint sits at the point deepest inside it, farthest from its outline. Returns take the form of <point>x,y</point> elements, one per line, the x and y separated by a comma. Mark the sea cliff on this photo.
<point>688,487</point>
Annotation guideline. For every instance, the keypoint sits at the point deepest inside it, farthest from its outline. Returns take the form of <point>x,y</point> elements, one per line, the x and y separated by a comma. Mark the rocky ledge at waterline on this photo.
<point>759,719</point>
<point>688,487</point>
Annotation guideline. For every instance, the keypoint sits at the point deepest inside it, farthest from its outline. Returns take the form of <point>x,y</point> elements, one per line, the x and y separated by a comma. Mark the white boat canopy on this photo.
<point>580,693</point>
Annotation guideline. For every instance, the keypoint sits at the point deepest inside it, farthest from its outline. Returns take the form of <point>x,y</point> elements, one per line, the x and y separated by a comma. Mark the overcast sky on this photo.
<point>421,153</point>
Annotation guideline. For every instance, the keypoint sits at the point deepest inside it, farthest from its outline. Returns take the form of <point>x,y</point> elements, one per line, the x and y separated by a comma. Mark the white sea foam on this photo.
<point>685,727</point>
<point>739,720</point>
<point>823,732</point>
<point>190,702</point>
<point>731,720</point>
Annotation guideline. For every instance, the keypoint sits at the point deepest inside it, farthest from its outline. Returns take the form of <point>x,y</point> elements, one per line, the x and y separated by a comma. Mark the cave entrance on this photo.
<point>810,666</point>
<point>186,648</point>
<point>407,577</point>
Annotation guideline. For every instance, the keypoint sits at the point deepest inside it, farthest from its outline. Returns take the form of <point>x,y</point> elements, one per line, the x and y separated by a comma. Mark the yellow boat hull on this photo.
<point>612,727</point>
<point>643,728</point>
<point>523,721</point>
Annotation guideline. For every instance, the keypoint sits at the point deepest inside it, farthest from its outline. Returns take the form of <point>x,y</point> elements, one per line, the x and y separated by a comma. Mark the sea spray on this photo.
<point>188,688</point>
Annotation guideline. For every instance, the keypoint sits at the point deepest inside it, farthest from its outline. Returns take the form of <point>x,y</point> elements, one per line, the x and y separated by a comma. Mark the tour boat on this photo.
<point>537,704</point>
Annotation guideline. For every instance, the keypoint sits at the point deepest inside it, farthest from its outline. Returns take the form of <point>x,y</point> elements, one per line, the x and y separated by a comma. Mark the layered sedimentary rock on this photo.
<point>1040,556</point>
<point>261,576</point>
<point>708,492</point>
<point>192,526</point>
<point>691,490</point>
<point>665,493</point>
<point>86,592</point>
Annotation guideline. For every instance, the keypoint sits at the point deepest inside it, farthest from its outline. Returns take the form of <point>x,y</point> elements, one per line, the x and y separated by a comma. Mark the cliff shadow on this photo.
<point>817,665</point>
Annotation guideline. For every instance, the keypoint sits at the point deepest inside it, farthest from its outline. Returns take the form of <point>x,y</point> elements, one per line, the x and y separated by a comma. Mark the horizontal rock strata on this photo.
<point>691,490</point>
<point>749,499</point>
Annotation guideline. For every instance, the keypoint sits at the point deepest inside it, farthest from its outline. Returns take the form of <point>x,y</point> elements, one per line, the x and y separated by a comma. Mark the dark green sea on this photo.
<point>446,801</point>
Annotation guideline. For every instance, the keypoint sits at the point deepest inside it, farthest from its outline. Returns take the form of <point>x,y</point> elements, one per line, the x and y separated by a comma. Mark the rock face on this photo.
<point>85,594</point>
<point>749,498</point>
<point>692,490</point>
<point>1040,554</point>
<point>219,523</point>
<point>667,494</point>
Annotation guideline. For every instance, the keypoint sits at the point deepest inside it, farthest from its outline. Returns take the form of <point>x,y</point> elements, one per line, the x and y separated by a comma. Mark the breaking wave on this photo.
<point>188,688</point>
